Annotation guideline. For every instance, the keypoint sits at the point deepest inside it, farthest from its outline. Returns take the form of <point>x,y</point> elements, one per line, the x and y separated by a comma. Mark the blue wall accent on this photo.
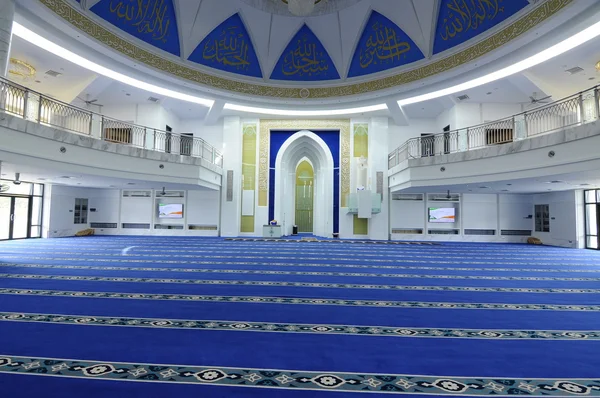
<point>332,139</point>
<point>382,45</point>
<point>461,20</point>
<point>152,21</point>
<point>229,48</point>
<point>305,59</point>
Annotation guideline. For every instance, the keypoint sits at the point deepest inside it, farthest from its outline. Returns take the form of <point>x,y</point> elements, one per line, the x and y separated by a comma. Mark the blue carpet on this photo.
<point>236,318</point>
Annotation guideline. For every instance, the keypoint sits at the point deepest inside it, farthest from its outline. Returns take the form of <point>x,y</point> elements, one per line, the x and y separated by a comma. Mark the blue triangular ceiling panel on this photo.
<point>305,59</point>
<point>228,48</point>
<point>152,21</point>
<point>382,45</point>
<point>461,20</point>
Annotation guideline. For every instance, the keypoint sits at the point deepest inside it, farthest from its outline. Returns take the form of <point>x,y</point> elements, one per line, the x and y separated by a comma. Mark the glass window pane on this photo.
<point>597,195</point>
<point>38,189</point>
<point>36,211</point>
<point>36,232</point>
<point>590,196</point>
<point>24,188</point>
<point>4,217</point>
<point>592,242</point>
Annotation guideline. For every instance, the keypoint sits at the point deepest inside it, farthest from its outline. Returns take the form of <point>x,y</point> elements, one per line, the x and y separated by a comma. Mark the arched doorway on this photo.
<point>305,185</point>
<point>304,146</point>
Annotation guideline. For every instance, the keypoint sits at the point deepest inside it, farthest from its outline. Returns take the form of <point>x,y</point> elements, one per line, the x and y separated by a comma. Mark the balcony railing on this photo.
<point>575,110</point>
<point>33,106</point>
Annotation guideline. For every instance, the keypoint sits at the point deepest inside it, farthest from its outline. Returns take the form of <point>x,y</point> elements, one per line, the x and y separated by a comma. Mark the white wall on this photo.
<point>564,220</point>
<point>61,210</point>
<point>475,211</point>
<point>492,111</point>
<point>148,115</point>
<point>398,135</point>
<point>201,207</point>
<point>211,134</point>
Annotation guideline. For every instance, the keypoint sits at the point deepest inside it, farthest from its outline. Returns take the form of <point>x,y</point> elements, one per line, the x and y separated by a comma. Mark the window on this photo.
<point>542,218</point>
<point>81,211</point>
<point>592,218</point>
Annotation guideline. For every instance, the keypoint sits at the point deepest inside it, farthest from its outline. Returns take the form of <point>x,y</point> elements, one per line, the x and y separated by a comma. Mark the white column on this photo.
<point>378,144</point>
<point>7,13</point>
<point>232,160</point>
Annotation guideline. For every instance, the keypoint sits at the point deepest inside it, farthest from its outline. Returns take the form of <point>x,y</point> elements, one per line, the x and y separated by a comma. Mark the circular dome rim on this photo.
<point>340,89</point>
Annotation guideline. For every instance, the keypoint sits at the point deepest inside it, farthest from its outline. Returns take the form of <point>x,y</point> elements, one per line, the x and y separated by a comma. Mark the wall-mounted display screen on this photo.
<point>442,214</point>
<point>170,210</point>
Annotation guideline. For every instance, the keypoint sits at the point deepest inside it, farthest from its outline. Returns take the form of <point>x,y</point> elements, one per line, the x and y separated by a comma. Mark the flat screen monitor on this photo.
<point>442,214</point>
<point>170,210</point>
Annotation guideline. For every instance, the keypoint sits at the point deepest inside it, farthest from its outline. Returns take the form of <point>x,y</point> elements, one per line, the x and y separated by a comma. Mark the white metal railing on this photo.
<point>33,106</point>
<point>577,109</point>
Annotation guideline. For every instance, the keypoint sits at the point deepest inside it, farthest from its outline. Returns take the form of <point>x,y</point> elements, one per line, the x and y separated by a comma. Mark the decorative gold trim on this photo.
<point>75,17</point>
<point>266,125</point>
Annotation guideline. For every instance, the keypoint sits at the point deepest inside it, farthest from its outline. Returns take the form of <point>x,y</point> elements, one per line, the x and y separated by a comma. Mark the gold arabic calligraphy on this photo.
<point>149,16</point>
<point>231,49</point>
<point>468,14</point>
<point>382,46</point>
<point>304,60</point>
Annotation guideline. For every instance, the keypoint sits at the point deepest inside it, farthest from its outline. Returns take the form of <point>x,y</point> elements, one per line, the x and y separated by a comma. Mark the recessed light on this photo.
<point>39,179</point>
<point>509,184</point>
<point>65,177</point>
<point>489,93</point>
<point>554,182</point>
<point>483,187</point>
<point>591,78</point>
<point>131,183</point>
<point>549,189</point>
<point>505,190</point>
<point>584,184</point>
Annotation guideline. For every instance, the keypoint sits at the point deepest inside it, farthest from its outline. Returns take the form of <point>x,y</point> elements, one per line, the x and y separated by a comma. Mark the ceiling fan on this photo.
<point>90,102</point>
<point>535,100</point>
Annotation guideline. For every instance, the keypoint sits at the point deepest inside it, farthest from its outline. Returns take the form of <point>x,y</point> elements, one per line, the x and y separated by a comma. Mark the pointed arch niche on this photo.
<point>305,146</point>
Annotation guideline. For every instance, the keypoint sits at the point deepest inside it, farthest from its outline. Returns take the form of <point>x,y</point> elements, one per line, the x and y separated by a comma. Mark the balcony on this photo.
<point>575,110</point>
<point>34,107</point>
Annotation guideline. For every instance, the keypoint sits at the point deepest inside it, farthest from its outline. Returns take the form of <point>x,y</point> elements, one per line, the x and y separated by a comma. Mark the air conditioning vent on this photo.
<point>53,73</point>
<point>103,225</point>
<point>202,227</point>
<point>516,232</point>
<point>137,194</point>
<point>407,196</point>
<point>135,226</point>
<point>574,70</point>
<point>480,232</point>
<point>415,231</point>
<point>463,97</point>
<point>153,99</point>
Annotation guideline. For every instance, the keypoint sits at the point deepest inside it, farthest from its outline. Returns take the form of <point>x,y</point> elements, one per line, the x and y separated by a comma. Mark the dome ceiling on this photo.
<point>261,40</point>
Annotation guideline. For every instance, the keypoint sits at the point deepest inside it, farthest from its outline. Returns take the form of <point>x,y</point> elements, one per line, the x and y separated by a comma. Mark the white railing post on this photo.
<point>581,110</point>
<point>597,103</point>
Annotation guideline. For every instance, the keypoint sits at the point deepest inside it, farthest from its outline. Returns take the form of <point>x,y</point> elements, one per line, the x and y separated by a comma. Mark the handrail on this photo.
<point>576,109</point>
<point>31,105</point>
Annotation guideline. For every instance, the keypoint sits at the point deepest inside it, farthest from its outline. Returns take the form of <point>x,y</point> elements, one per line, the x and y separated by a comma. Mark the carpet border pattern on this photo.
<point>302,301</point>
<point>279,327</point>
<point>327,285</point>
<point>305,380</point>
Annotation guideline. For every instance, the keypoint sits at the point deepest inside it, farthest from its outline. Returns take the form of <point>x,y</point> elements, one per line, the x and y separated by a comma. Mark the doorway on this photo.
<point>168,136</point>
<point>592,218</point>
<point>305,188</point>
<point>15,217</point>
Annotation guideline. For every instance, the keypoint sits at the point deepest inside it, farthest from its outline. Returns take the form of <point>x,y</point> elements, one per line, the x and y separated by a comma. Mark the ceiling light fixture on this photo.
<point>557,49</point>
<point>35,39</point>
<point>288,112</point>
<point>301,8</point>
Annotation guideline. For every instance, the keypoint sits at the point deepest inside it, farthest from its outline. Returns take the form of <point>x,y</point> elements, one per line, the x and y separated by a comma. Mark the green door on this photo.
<point>305,189</point>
